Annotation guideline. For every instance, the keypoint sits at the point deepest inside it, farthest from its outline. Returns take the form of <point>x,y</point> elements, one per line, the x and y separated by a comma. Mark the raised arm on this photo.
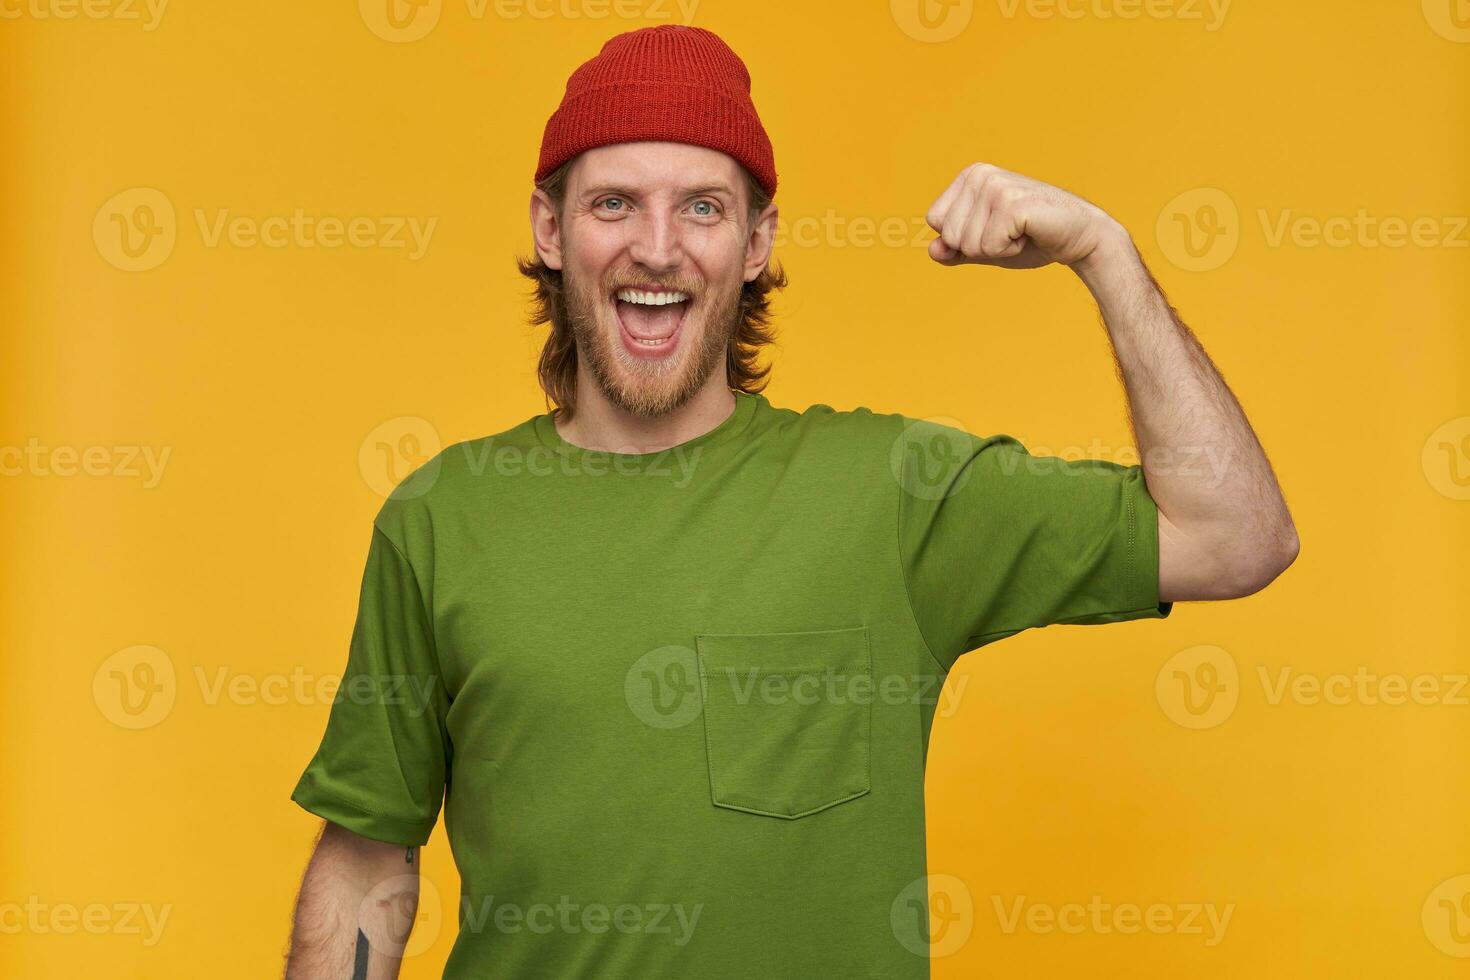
<point>355,909</point>
<point>1224,528</point>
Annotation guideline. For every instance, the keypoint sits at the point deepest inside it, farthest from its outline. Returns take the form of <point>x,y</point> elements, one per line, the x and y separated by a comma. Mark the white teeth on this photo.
<point>650,299</point>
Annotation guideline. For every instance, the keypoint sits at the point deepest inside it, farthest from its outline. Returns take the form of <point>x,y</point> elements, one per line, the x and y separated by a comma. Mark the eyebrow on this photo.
<point>724,189</point>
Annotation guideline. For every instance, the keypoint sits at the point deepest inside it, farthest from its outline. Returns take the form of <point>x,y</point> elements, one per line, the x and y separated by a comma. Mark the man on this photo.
<point>669,655</point>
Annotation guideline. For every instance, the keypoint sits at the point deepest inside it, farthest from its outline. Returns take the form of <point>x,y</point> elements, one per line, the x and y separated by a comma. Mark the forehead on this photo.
<point>656,166</point>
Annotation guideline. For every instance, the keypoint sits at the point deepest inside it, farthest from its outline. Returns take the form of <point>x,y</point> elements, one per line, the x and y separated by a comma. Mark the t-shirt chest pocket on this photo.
<point>787,719</point>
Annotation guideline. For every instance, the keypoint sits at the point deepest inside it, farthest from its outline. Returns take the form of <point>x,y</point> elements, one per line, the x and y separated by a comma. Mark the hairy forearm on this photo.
<point>1205,468</point>
<point>354,911</point>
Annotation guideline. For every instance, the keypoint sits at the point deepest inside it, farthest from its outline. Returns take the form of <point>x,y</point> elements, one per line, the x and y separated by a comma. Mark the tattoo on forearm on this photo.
<point>360,959</point>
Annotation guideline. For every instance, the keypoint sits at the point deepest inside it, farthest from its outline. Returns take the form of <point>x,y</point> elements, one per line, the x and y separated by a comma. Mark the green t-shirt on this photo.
<point>676,705</point>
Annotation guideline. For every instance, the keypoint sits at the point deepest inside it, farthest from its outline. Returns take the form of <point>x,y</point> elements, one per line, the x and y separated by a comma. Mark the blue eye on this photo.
<point>705,204</point>
<point>613,200</point>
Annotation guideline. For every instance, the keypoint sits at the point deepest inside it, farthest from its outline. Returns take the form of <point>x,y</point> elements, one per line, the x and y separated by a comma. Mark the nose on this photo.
<point>655,241</point>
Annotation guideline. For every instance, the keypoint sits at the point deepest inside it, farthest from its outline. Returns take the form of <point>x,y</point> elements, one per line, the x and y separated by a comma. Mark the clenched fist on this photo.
<point>990,216</point>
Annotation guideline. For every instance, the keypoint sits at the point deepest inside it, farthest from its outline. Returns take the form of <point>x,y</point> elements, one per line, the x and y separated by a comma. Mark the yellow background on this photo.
<point>271,376</point>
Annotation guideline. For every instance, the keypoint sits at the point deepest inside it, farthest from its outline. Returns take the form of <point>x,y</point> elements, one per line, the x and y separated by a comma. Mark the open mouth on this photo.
<point>650,319</point>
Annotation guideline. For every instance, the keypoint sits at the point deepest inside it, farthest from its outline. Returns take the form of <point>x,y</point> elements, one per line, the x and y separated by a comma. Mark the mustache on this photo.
<point>643,282</point>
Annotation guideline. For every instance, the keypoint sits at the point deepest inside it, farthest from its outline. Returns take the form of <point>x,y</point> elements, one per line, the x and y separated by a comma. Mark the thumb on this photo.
<point>944,254</point>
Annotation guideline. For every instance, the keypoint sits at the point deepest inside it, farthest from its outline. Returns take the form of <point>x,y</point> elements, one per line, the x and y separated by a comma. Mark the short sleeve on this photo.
<point>380,768</point>
<point>994,540</point>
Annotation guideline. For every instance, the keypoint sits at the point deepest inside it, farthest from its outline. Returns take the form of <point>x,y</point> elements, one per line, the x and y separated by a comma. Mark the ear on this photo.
<point>546,229</point>
<point>762,240</point>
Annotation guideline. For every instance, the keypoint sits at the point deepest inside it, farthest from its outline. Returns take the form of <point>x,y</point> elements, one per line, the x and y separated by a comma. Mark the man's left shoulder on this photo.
<point>855,422</point>
<point>843,435</point>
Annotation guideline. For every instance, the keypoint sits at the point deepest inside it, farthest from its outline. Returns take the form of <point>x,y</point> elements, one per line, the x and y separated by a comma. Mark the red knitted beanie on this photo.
<point>666,83</point>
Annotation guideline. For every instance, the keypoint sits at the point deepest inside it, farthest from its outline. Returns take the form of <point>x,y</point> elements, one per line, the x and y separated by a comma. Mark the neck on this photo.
<point>600,425</point>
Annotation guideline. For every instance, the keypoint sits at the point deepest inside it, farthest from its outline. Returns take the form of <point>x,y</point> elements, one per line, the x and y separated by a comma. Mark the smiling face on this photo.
<point>654,243</point>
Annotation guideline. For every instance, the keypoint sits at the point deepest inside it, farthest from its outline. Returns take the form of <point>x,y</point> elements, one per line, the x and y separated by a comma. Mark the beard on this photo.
<point>643,387</point>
